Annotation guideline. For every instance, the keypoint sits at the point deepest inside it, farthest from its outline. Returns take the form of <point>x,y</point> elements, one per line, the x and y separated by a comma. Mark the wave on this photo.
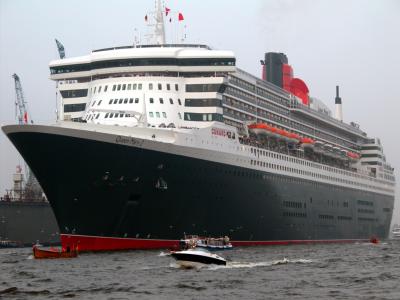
<point>284,261</point>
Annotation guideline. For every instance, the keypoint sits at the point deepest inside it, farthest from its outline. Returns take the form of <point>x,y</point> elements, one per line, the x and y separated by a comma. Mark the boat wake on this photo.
<point>236,265</point>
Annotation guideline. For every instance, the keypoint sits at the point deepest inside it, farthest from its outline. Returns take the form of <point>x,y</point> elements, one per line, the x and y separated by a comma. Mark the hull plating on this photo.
<point>101,189</point>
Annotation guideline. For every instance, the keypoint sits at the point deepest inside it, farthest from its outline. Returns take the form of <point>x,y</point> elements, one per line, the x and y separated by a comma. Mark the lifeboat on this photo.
<point>267,130</point>
<point>353,156</point>
<point>262,129</point>
<point>318,147</point>
<point>275,132</point>
<point>338,152</point>
<point>343,154</point>
<point>282,134</point>
<point>307,143</point>
<point>294,138</point>
<point>328,150</point>
<point>54,253</point>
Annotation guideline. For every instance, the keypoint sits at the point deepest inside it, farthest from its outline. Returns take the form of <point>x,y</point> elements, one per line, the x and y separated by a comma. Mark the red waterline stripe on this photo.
<point>294,242</point>
<point>96,243</point>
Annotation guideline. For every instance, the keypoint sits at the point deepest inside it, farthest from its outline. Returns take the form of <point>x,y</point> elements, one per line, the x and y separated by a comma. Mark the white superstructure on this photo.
<point>179,87</point>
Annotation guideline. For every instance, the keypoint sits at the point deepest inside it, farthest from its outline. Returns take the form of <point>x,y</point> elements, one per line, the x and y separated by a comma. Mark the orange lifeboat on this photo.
<point>262,129</point>
<point>294,138</point>
<point>265,129</point>
<point>54,253</point>
<point>353,156</point>
<point>307,143</point>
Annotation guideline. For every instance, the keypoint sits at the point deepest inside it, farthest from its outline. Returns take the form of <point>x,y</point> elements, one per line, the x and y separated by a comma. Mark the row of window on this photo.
<point>134,62</point>
<point>74,93</point>
<point>74,107</point>
<point>157,114</point>
<point>116,115</point>
<point>205,88</point>
<point>326,217</point>
<point>312,174</point>
<point>368,219</point>
<point>161,100</point>
<point>364,202</point>
<point>134,100</point>
<point>203,117</point>
<point>294,214</point>
<point>293,204</point>
<point>309,128</point>
<point>203,102</point>
<point>133,87</point>
<point>261,152</point>
<point>121,101</point>
<point>345,218</point>
<point>371,155</point>
<point>371,148</point>
<point>253,114</point>
<point>366,211</point>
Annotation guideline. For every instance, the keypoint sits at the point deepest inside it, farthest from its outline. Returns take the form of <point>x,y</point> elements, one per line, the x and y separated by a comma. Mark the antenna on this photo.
<point>136,38</point>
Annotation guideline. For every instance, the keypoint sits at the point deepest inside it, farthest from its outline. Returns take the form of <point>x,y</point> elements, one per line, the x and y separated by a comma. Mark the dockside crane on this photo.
<point>21,108</point>
<point>32,189</point>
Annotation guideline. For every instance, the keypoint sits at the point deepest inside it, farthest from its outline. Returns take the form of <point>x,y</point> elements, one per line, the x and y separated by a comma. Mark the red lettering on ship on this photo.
<point>218,131</point>
<point>223,132</point>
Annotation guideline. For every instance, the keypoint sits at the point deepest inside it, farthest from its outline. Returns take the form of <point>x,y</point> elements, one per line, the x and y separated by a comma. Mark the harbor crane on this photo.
<point>21,109</point>
<point>32,188</point>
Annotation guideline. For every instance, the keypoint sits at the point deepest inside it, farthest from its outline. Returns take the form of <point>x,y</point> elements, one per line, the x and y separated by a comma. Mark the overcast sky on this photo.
<point>352,43</point>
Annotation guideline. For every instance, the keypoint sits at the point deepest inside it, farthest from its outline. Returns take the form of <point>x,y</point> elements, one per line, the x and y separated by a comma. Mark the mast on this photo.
<point>159,30</point>
<point>155,23</point>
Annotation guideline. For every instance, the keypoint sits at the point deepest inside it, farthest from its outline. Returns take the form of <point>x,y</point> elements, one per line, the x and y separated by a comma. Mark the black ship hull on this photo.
<point>109,196</point>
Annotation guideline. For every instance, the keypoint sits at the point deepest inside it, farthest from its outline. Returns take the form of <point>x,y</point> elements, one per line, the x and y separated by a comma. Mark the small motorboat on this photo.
<point>196,257</point>
<point>396,232</point>
<point>209,243</point>
<point>10,244</point>
<point>54,252</point>
<point>214,244</point>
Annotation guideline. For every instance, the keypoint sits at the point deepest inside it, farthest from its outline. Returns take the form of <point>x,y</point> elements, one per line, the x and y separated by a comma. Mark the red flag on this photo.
<point>145,18</point>
<point>180,17</point>
<point>26,117</point>
<point>167,10</point>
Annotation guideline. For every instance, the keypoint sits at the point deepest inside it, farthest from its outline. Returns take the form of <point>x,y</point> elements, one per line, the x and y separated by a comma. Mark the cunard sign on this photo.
<point>223,132</point>
<point>126,140</point>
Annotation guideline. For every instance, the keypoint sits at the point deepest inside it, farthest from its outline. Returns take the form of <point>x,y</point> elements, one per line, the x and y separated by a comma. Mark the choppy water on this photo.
<point>340,271</point>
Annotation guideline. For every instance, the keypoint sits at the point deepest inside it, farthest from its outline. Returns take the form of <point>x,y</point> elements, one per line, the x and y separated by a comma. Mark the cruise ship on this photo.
<point>159,140</point>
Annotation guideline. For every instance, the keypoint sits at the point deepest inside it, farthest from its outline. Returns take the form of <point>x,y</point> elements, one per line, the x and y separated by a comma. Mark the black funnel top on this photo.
<point>338,100</point>
<point>273,67</point>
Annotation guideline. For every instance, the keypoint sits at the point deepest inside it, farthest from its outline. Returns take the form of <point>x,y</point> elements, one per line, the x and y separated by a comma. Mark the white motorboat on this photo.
<point>197,257</point>
<point>396,232</point>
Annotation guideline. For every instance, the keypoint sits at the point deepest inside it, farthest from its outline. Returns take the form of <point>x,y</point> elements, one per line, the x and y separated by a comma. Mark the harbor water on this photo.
<point>325,271</point>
